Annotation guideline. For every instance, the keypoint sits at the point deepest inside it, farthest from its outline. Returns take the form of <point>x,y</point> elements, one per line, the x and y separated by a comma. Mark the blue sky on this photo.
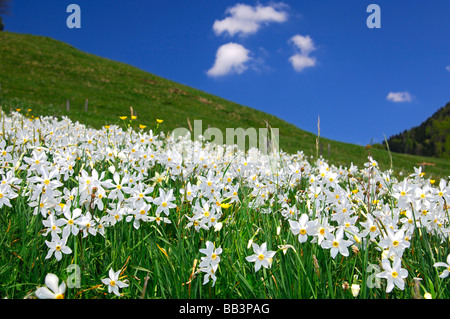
<point>295,59</point>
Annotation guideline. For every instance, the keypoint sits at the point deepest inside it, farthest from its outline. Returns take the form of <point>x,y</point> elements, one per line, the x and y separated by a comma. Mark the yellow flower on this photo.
<point>225,205</point>
<point>123,117</point>
<point>142,126</point>
<point>159,121</point>
<point>432,181</point>
<point>18,110</point>
<point>133,117</point>
<point>107,126</point>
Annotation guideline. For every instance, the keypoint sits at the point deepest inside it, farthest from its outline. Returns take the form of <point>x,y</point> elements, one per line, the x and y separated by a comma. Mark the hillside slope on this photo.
<point>41,74</point>
<point>431,138</point>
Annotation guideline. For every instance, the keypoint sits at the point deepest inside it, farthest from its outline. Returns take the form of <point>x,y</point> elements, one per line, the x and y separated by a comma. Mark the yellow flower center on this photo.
<point>46,182</point>
<point>261,257</point>
<point>164,204</point>
<point>335,244</point>
<point>59,296</point>
<point>213,256</point>
<point>70,222</point>
<point>373,228</point>
<point>302,231</point>
<point>58,247</point>
<point>112,283</point>
<point>394,274</point>
<point>395,243</point>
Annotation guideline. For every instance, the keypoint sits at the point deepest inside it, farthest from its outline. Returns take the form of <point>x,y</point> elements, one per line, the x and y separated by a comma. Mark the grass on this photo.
<point>41,74</point>
<point>161,261</point>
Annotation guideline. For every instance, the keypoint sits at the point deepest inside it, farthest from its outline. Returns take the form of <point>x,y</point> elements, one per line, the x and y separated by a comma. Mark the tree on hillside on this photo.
<point>4,9</point>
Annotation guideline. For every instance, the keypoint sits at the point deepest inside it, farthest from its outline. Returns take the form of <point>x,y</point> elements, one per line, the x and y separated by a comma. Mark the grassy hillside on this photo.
<point>431,138</point>
<point>41,74</point>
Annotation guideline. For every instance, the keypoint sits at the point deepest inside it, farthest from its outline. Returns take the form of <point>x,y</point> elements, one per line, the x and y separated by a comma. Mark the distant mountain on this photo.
<point>431,138</point>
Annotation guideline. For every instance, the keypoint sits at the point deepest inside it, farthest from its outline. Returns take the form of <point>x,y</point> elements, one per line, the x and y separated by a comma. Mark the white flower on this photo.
<point>336,244</point>
<point>446,271</point>
<point>58,247</point>
<point>395,275</point>
<point>261,256</point>
<point>113,282</point>
<point>164,201</point>
<point>52,291</point>
<point>395,242</point>
<point>210,273</point>
<point>301,227</point>
<point>212,255</point>
<point>355,290</point>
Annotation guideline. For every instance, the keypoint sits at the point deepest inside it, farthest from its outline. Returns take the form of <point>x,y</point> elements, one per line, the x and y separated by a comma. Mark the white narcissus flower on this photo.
<point>300,227</point>
<point>58,247</point>
<point>210,273</point>
<point>261,256</point>
<point>336,244</point>
<point>164,201</point>
<point>446,271</point>
<point>395,275</point>
<point>53,290</point>
<point>113,282</point>
<point>395,242</point>
<point>212,255</point>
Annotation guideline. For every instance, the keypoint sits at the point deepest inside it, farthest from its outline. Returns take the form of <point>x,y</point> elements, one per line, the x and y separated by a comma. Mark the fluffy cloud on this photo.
<point>398,97</point>
<point>230,58</point>
<point>245,19</point>
<point>302,60</point>
<point>305,44</point>
<point>448,68</point>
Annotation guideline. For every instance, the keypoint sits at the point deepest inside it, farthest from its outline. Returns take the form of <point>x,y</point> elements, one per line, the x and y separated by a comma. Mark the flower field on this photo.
<point>123,213</point>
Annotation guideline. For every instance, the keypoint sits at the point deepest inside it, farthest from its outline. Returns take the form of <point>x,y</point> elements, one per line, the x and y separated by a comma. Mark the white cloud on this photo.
<point>448,68</point>
<point>230,58</point>
<point>305,44</point>
<point>302,60</point>
<point>399,97</point>
<point>247,19</point>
